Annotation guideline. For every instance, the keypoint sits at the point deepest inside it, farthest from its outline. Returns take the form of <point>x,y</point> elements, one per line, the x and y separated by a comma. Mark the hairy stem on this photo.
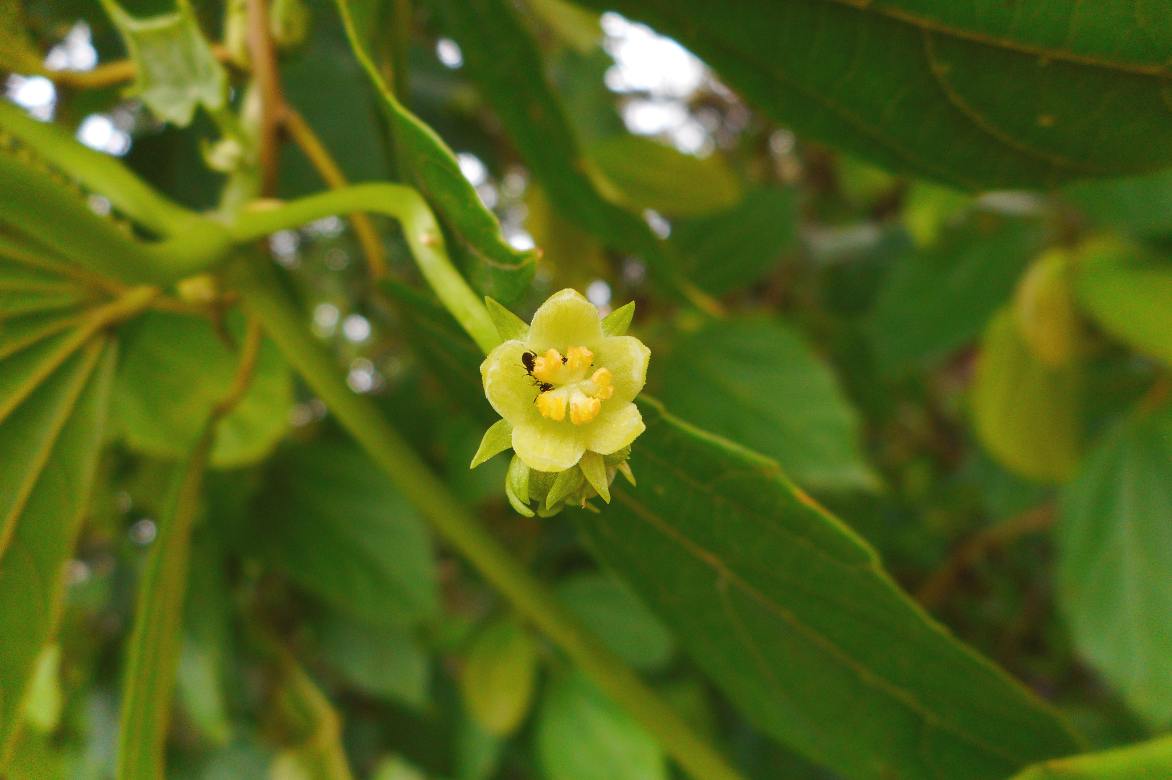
<point>261,294</point>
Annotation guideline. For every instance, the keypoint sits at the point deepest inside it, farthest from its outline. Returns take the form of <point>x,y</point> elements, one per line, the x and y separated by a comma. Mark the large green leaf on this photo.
<point>610,610</point>
<point>332,522</point>
<point>507,66</point>
<point>1145,761</point>
<point>978,95</point>
<point>65,415</point>
<point>1130,296</point>
<point>790,613</point>
<point>1115,560</point>
<point>494,267</point>
<point>1138,204</point>
<point>939,298</point>
<point>176,369</point>
<point>757,382</point>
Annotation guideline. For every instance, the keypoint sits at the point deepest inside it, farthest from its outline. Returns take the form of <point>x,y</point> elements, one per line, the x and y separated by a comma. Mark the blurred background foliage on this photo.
<point>974,379</point>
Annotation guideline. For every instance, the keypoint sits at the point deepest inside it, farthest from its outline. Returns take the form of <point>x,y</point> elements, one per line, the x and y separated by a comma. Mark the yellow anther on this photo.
<point>547,367</point>
<point>578,358</point>
<point>583,409</point>
<point>552,405</point>
<point>602,380</point>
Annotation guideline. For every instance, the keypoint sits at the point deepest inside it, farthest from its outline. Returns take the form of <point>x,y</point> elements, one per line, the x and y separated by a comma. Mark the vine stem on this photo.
<point>419,228</point>
<point>261,293</point>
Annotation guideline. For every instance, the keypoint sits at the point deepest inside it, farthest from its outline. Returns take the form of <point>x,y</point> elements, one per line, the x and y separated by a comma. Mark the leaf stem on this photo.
<point>261,293</point>
<point>419,228</point>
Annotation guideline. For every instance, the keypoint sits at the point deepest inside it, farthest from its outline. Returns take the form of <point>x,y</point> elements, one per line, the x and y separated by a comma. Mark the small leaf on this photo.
<point>1129,295</point>
<point>1027,414</point>
<point>176,69</point>
<point>1044,309</point>
<point>1150,760</point>
<point>497,439</point>
<point>43,703</point>
<point>595,472</point>
<point>508,325</point>
<point>384,661</point>
<point>517,486</point>
<point>618,321</point>
<point>619,618</point>
<point>499,676</point>
<point>1115,555</point>
<point>643,174</point>
<point>565,484</point>
<point>583,735</point>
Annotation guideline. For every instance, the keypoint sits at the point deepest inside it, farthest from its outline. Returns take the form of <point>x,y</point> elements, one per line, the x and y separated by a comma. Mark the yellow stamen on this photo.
<point>552,405</point>
<point>578,357</point>
<point>602,380</point>
<point>583,409</point>
<point>547,367</point>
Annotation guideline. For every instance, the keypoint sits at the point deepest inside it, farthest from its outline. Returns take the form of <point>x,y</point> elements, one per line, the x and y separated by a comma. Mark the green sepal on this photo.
<point>594,470</point>
<point>567,484</point>
<point>617,322</point>
<point>497,439</point>
<point>625,469</point>
<point>517,486</point>
<point>508,325</point>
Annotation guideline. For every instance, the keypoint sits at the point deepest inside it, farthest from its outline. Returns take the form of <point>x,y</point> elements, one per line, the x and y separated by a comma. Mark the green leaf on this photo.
<point>640,173</point>
<point>497,439</point>
<point>18,54</point>
<point>334,524</point>
<point>176,369</point>
<point>494,267</point>
<point>728,251</point>
<point>1027,414</point>
<point>1129,295</point>
<point>1137,204</point>
<point>594,470</point>
<point>311,725</point>
<point>618,321</point>
<point>40,520</point>
<point>1044,310</point>
<point>939,298</point>
<point>383,661</point>
<point>499,676</point>
<point>791,615</point>
<point>153,653</point>
<point>582,735</point>
<point>1150,760</point>
<point>176,69</point>
<point>979,96</point>
<point>1115,555</point>
<point>506,65</point>
<point>757,382</point>
<point>610,610</point>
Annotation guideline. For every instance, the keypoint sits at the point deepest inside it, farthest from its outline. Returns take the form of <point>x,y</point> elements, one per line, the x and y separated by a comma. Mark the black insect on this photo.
<point>545,387</point>
<point>527,359</point>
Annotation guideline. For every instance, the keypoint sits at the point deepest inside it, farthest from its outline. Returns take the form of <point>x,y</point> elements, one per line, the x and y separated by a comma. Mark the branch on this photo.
<point>268,83</point>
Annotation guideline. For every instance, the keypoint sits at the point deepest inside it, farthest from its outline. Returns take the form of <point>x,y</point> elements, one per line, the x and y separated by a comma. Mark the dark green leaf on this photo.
<point>499,676</point>
<point>727,251</point>
<point>1145,761</point>
<point>384,661</point>
<point>757,382</point>
<point>336,526</point>
<point>791,615</point>
<point>1138,204</point>
<point>494,267</point>
<point>175,370</point>
<point>980,97</point>
<point>616,615</point>
<point>582,735</point>
<point>506,64</point>
<point>1115,556</point>
<point>939,298</point>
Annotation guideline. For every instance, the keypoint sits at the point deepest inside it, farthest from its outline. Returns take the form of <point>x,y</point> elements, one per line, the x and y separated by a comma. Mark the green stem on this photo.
<point>419,228</point>
<point>260,290</point>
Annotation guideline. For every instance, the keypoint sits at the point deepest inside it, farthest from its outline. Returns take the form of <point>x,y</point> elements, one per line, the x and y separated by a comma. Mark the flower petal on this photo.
<point>627,359</point>
<point>545,445</point>
<point>613,430</point>
<point>507,386</point>
<point>565,320</point>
